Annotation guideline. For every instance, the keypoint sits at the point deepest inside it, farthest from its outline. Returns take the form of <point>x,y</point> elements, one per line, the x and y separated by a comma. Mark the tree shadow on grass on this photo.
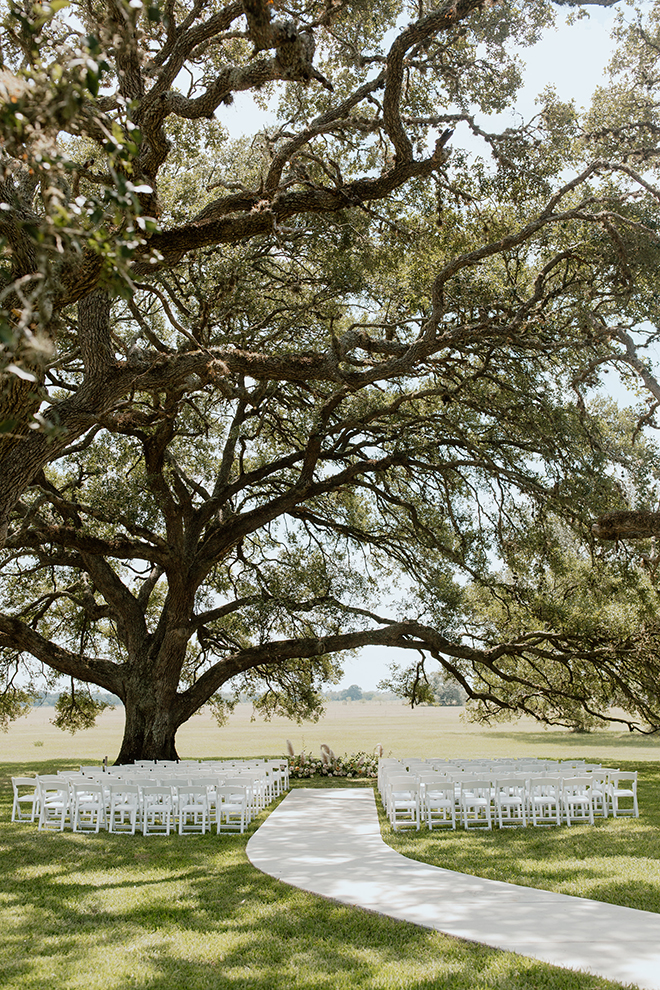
<point>191,913</point>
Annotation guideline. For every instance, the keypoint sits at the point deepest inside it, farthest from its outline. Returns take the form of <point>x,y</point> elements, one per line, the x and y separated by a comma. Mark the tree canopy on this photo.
<point>268,400</point>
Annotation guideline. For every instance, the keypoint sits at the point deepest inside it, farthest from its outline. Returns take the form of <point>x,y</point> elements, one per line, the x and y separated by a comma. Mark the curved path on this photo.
<point>328,842</point>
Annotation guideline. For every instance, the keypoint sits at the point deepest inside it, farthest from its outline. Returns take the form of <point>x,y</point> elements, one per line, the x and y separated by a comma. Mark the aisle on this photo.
<point>328,842</point>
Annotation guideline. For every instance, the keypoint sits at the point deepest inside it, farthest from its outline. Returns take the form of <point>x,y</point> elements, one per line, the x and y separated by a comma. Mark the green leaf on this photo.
<point>92,81</point>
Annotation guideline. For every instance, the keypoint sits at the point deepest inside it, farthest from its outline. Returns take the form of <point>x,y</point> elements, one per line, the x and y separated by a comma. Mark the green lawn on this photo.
<point>116,912</point>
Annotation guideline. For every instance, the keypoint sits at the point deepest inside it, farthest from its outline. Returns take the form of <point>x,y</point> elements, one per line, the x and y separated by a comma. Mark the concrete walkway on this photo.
<point>328,842</point>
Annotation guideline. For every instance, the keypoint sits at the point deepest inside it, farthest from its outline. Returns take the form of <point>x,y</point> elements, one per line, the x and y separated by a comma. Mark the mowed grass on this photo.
<point>118,912</point>
<point>112,912</point>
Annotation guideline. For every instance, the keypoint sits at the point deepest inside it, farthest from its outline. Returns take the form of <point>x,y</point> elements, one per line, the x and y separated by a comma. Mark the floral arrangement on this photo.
<point>328,765</point>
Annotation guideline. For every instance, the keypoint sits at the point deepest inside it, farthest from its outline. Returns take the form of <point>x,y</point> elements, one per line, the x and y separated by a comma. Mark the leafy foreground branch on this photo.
<point>267,401</point>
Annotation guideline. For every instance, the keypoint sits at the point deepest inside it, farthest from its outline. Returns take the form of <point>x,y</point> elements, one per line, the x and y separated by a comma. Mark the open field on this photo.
<point>346,727</point>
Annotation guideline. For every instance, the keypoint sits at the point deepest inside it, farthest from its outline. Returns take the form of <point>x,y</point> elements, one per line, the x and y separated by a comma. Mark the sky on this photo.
<point>573,59</point>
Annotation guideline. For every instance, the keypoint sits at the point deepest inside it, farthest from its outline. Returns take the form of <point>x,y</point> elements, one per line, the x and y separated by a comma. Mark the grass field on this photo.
<point>346,727</point>
<point>85,912</point>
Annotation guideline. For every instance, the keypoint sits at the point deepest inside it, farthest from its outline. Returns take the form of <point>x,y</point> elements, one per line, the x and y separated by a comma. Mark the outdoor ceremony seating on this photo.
<point>193,796</point>
<point>513,793</point>
<point>53,801</point>
<point>152,797</point>
<point>616,793</point>
<point>25,793</point>
<point>232,809</point>
<point>87,806</point>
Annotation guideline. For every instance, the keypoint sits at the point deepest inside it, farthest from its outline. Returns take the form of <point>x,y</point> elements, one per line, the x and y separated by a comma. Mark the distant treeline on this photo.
<point>355,693</point>
<point>444,694</point>
<point>442,691</point>
<point>49,698</point>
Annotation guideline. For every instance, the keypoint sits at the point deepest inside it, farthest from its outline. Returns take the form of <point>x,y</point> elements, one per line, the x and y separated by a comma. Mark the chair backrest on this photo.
<point>124,789</point>
<point>157,793</point>
<point>577,784</point>
<point>239,781</point>
<point>402,784</point>
<point>193,798</point>
<point>615,777</point>
<point>50,781</point>
<point>17,782</point>
<point>86,789</point>
<point>544,784</point>
<point>231,794</point>
<point>513,784</point>
<point>476,784</point>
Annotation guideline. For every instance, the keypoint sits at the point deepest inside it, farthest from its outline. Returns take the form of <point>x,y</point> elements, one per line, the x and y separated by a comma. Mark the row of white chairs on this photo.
<point>415,796</point>
<point>130,798</point>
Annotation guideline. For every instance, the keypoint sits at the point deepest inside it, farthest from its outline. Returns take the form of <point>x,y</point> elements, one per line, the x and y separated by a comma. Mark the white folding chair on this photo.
<point>577,800</point>
<point>621,786</point>
<point>474,800</point>
<point>385,768</point>
<point>274,780</point>
<point>246,782</point>
<point>87,806</point>
<point>210,782</point>
<point>403,801</point>
<point>599,794</point>
<point>438,795</point>
<point>510,801</point>
<point>53,799</point>
<point>157,809</point>
<point>19,784</point>
<point>193,808</point>
<point>232,809</point>
<point>544,800</point>
<point>124,808</point>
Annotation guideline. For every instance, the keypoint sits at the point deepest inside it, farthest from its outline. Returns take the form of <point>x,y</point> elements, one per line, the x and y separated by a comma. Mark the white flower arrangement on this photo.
<point>362,765</point>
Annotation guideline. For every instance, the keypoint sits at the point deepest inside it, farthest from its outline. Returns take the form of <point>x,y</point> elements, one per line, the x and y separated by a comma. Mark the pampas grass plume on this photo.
<point>325,748</point>
<point>325,757</point>
<point>289,748</point>
<point>379,750</point>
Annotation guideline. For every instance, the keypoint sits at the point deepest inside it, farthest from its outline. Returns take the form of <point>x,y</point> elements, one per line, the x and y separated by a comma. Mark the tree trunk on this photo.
<point>149,729</point>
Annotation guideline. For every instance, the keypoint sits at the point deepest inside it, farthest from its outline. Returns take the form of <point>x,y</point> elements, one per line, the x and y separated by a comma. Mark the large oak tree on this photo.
<point>251,385</point>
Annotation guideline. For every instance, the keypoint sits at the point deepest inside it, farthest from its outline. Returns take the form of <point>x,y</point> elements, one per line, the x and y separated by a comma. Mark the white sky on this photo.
<point>571,58</point>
